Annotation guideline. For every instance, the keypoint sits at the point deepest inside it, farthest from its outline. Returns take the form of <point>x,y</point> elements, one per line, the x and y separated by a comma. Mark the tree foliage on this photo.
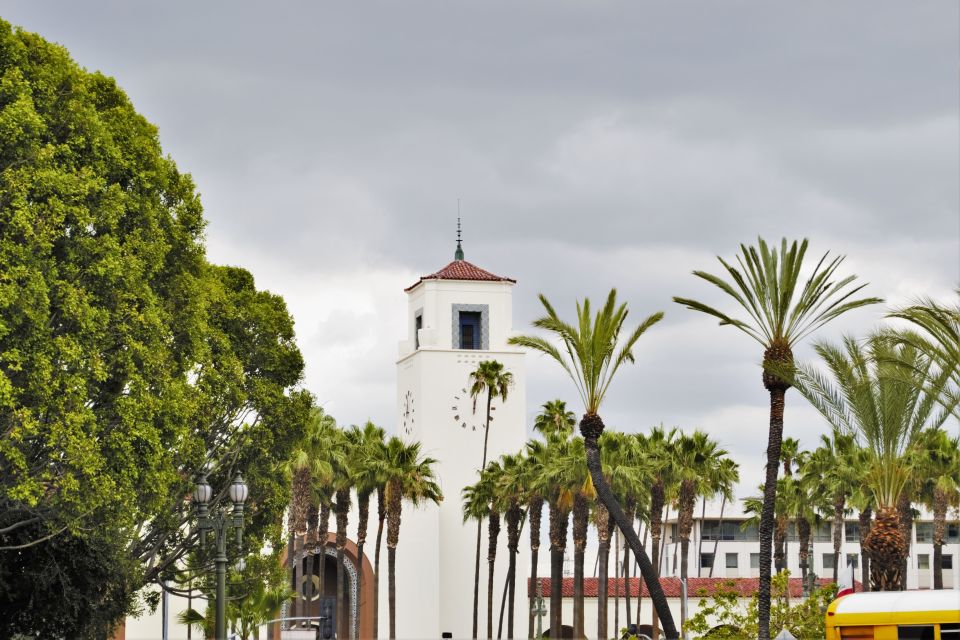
<point>128,362</point>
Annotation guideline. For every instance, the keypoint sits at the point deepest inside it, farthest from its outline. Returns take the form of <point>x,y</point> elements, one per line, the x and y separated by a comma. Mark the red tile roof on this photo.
<point>696,587</point>
<point>461,270</point>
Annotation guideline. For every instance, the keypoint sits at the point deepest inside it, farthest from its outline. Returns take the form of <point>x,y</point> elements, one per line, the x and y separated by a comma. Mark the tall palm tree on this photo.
<point>555,419</point>
<point>834,462</point>
<point>477,501</point>
<point>492,379</point>
<point>341,484</point>
<point>780,313</point>
<point>408,476</point>
<point>366,472</point>
<point>886,406</point>
<point>509,490</point>
<point>940,473</point>
<point>594,354</point>
<point>552,483</point>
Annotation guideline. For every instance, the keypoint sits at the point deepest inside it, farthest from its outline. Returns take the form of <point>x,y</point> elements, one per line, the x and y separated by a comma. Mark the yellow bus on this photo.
<point>895,615</point>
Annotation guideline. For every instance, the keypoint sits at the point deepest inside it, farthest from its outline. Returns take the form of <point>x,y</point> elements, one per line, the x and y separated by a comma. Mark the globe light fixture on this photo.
<point>239,490</point>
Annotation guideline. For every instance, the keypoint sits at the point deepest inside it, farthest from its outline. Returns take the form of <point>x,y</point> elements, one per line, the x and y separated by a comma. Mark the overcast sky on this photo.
<point>592,144</point>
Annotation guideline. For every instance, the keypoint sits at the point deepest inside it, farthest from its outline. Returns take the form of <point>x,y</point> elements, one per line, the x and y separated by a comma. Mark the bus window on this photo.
<point>950,631</point>
<point>856,633</point>
<point>918,632</point>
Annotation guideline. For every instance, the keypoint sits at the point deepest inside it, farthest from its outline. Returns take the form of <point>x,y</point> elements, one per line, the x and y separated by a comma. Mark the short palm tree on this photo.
<point>509,492</point>
<point>480,504</point>
<point>490,379</point>
<point>408,476</point>
<point>781,312</point>
<point>534,461</point>
<point>940,474</point>
<point>552,484</point>
<point>703,470</point>
<point>592,354</point>
<point>834,462</point>
<point>885,406</point>
<point>555,419</point>
<point>658,448</point>
<point>366,472</point>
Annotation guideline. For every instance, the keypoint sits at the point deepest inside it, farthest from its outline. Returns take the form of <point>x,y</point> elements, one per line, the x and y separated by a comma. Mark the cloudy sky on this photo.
<point>592,144</point>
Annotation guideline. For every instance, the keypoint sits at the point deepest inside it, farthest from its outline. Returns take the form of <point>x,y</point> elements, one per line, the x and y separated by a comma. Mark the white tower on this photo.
<point>458,317</point>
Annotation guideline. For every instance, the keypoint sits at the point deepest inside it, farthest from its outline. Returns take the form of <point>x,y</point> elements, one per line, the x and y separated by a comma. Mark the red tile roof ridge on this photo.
<point>461,270</point>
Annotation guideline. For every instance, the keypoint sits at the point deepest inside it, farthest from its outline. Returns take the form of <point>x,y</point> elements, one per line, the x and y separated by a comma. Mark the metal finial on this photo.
<point>458,254</point>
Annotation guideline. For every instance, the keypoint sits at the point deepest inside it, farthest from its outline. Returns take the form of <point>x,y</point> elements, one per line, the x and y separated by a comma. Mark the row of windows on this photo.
<point>731,561</point>
<point>822,532</point>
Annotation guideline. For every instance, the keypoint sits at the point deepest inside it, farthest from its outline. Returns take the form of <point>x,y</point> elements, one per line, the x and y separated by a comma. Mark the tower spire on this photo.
<point>458,254</point>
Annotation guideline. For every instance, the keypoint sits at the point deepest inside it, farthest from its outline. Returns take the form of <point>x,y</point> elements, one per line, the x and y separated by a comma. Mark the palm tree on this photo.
<point>834,462</point>
<point>941,487</point>
<point>366,471</point>
<point>658,447</point>
<point>480,503</point>
<point>408,476</point>
<point>341,485</point>
<point>509,490</point>
<point>886,406</point>
<point>489,377</point>
<point>594,354</point>
<point>620,457</point>
<point>555,419</point>
<point>310,465</point>
<point>532,469</point>
<point>766,287</point>
<point>939,340</point>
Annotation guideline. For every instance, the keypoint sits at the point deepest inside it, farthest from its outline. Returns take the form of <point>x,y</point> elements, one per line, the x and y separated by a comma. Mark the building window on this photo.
<point>923,561</point>
<point>852,531</point>
<point>728,530</point>
<point>471,326</point>
<point>732,560</point>
<point>754,560</point>
<point>946,562</point>
<point>924,532</point>
<point>417,325</point>
<point>822,532</point>
<point>828,561</point>
<point>853,559</point>
<point>673,533</point>
<point>706,560</point>
<point>953,533</point>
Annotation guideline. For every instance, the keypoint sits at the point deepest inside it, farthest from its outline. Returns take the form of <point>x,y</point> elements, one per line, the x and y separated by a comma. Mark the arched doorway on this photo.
<point>356,618</point>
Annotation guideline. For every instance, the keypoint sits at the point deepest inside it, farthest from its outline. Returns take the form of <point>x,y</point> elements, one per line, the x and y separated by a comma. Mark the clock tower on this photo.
<point>458,317</point>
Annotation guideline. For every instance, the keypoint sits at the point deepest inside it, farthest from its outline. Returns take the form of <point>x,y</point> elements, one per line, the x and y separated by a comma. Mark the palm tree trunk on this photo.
<point>591,426</point>
<point>939,526</point>
<point>493,532</point>
<point>394,507</point>
<point>887,548</point>
<point>514,514</point>
<point>476,582</point>
<point>774,443</point>
<point>381,516</point>
<point>323,529</point>
<point>581,516</point>
<point>298,578</point>
<point>640,593</point>
<point>865,515</point>
<point>703,515</point>
<point>604,529</point>
<point>803,533</point>
<point>687,502</point>
<point>779,543</point>
<point>658,499</point>
<point>626,578</point>
<point>838,505</point>
<point>716,541</point>
<point>536,513</point>
<point>343,512</point>
<point>363,517</point>
<point>558,542</point>
<point>905,510</point>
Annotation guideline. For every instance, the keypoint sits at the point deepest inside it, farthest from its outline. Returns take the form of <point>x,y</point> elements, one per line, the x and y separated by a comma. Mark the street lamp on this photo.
<point>220,525</point>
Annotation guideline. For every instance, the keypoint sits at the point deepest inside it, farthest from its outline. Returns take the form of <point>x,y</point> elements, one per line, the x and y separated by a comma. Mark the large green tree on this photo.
<point>127,361</point>
<point>781,310</point>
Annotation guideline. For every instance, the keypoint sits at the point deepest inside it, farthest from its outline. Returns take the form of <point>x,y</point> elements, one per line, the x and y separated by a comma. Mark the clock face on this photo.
<point>408,411</point>
<point>463,415</point>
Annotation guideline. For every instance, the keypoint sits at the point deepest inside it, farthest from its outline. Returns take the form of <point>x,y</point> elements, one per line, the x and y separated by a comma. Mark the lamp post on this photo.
<point>220,525</point>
